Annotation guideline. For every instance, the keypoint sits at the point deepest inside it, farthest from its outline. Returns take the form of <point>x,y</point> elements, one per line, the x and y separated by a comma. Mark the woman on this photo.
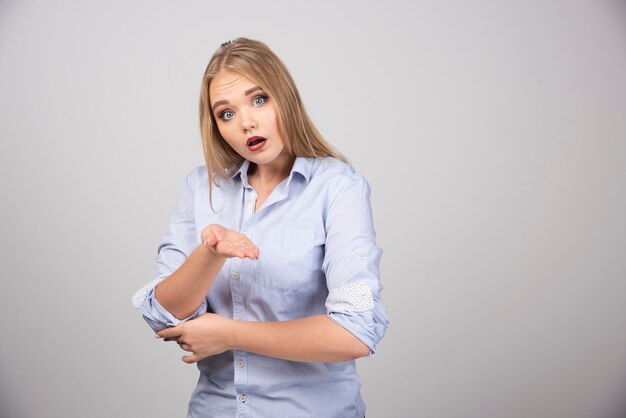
<point>269,272</point>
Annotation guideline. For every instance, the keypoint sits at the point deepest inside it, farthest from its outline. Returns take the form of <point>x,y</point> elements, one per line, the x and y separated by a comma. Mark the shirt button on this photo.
<point>235,275</point>
<point>248,200</point>
<point>240,363</point>
<point>242,398</point>
<point>360,253</point>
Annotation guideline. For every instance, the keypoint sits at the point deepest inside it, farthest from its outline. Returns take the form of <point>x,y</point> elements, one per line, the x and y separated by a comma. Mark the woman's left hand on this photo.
<point>207,335</point>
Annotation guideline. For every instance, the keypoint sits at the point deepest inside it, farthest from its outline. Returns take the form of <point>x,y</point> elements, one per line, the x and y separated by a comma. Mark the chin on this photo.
<point>262,161</point>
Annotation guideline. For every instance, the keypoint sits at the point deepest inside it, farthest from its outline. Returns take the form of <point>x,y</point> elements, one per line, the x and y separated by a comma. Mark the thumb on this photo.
<point>172,332</point>
<point>211,240</point>
<point>190,359</point>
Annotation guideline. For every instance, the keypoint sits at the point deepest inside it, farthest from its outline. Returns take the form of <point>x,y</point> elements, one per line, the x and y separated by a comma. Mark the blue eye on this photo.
<point>259,100</point>
<point>227,115</point>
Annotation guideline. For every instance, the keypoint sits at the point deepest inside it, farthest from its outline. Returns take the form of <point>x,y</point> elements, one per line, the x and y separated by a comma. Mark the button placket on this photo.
<point>241,371</point>
<point>239,277</point>
<point>243,406</point>
<point>249,203</point>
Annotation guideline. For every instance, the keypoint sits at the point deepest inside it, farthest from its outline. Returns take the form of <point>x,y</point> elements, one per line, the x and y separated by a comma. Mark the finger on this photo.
<point>251,248</point>
<point>231,249</point>
<point>173,332</point>
<point>251,245</point>
<point>185,347</point>
<point>252,253</point>
<point>218,234</point>
<point>248,244</point>
<point>190,359</point>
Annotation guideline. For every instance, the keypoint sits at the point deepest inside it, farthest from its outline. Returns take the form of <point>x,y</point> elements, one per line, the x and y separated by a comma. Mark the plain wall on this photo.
<point>493,134</point>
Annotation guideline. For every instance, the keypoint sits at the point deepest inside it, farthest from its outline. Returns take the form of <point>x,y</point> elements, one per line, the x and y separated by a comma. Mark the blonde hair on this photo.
<point>257,62</point>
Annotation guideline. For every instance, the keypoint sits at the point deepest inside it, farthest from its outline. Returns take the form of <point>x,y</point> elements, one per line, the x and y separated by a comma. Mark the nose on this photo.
<point>248,123</point>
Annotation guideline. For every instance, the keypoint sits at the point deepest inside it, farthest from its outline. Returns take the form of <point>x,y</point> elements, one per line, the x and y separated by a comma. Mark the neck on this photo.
<point>269,175</point>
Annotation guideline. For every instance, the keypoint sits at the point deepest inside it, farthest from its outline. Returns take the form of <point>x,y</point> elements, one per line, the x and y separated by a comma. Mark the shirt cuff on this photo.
<point>358,324</point>
<point>356,308</point>
<point>155,315</point>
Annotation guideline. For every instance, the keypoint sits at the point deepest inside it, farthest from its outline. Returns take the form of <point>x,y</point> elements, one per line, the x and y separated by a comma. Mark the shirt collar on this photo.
<point>243,172</point>
<point>302,166</point>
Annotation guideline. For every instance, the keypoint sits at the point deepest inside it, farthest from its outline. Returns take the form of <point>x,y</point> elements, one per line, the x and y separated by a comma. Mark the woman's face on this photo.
<point>246,118</point>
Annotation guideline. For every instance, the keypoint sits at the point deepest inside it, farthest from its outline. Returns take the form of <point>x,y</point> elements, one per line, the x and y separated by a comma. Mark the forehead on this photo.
<point>229,85</point>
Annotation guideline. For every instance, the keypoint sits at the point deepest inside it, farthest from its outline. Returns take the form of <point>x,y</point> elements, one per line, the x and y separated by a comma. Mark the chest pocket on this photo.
<point>284,263</point>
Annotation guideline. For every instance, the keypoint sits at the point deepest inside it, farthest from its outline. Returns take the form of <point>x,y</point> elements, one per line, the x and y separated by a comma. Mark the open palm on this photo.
<point>228,243</point>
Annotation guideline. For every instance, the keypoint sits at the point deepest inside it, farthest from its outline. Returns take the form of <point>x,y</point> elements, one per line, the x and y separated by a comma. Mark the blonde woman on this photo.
<point>269,272</point>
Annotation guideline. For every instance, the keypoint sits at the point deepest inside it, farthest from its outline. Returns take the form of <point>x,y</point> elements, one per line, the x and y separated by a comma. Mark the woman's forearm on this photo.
<point>185,289</point>
<point>312,339</point>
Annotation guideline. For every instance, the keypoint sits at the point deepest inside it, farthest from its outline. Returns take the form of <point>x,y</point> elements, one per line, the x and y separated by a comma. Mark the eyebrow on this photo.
<point>247,93</point>
<point>219,102</point>
<point>252,90</point>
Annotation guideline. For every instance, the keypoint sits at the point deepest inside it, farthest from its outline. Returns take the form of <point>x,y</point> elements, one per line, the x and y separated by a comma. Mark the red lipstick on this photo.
<point>255,143</point>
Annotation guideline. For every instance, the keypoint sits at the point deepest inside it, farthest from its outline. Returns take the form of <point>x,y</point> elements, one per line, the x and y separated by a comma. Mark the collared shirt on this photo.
<point>318,255</point>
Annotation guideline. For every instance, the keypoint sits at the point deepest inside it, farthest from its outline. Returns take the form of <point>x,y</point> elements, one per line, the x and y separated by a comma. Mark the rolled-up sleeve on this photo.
<point>352,264</point>
<point>174,247</point>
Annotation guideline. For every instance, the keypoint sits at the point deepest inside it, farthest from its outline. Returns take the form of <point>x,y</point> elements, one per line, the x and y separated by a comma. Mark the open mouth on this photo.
<point>256,142</point>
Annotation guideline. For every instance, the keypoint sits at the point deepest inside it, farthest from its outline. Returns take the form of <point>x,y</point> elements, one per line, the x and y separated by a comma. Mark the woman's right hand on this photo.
<point>228,243</point>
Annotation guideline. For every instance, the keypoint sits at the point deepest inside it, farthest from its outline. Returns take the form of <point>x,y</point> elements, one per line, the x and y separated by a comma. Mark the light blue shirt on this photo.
<point>318,255</point>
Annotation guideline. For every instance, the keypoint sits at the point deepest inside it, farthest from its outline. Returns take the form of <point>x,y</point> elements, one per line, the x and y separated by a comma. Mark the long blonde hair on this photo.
<point>257,62</point>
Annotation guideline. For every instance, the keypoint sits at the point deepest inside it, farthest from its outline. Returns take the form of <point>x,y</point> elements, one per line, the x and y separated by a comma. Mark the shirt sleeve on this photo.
<point>174,247</point>
<point>352,265</point>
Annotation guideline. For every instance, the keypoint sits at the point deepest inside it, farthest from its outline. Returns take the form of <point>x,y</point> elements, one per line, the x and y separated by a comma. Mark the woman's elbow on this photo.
<point>358,349</point>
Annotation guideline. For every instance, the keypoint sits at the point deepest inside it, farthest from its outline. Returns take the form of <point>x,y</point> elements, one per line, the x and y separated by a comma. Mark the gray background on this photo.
<point>492,133</point>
